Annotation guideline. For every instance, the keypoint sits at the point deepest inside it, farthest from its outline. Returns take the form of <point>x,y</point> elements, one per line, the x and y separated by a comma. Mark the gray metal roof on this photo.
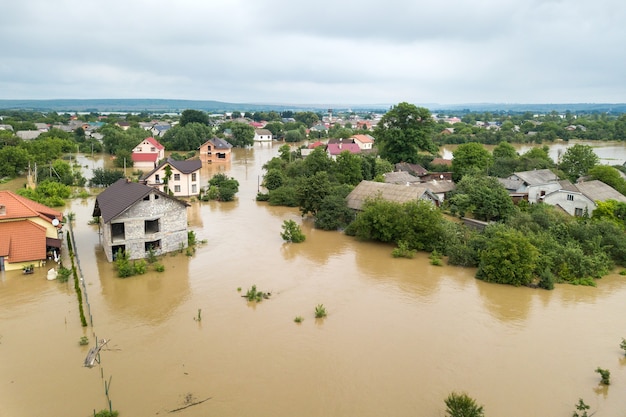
<point>537,176</point>
<point>599,191</point>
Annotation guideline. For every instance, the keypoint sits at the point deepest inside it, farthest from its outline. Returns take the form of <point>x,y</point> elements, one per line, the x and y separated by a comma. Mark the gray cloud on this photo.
<point>341,51</point>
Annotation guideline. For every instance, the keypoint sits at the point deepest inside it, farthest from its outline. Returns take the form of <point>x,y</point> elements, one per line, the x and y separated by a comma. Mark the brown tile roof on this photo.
<point>120,196</point>
<point>22,241</point>
<point>18,207</point>
<point>390,192</point>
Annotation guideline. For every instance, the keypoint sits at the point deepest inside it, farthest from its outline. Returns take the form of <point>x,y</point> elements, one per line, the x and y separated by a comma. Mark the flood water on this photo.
<point>400,334</point>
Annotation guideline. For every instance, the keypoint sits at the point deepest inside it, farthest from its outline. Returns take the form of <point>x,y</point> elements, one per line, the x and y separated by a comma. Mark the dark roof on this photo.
<point>120,196</point>
<point>414,169</point>
<point>186,167</point>
<point>218,143</point>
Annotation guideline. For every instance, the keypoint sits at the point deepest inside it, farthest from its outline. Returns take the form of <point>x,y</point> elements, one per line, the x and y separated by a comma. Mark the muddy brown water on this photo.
<point>400,334</point>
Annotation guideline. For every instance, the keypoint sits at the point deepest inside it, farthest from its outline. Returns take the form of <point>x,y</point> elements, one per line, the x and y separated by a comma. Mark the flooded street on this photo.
<point>399,337</point>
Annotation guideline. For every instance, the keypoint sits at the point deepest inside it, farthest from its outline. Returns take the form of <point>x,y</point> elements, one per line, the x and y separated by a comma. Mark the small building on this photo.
<point>390,192</point>
<point>215,150</point>
<point>334,149</point>
<point>262,135</point>
<point>30,233</point>
<point>148,153</point>
<point>365,142</point>
<point>184,178</point>
<point>535,184</point>
<point>578,199</point>
<point>137,219</point>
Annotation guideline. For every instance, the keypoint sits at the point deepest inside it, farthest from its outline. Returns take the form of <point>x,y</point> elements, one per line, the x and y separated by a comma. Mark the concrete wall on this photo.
<point>172,217</point>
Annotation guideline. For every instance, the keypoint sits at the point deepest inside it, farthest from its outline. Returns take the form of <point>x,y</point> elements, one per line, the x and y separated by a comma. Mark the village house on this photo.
<point>365,142</point>
<point>215,150</point>
<point>578,199</point>
<point>30,233</point>
<point>262,135</point>
<point>137,219</point>
<point>147,154</point>
<point>531,185</point>
<point>334,149</point>
<point>390,192</point>
<point>184,180</point>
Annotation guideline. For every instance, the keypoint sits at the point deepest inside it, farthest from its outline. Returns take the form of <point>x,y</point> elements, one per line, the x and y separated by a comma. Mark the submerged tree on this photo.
<point>462,405</point>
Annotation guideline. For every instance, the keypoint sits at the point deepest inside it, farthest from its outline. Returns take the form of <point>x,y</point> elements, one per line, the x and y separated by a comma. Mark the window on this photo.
<point>176,177</point>
<point>157,179</point>
<point>194,188</point>
<point>154,245</point>
<point>151,226</point>
<point>152,149</point>
<point>570,197</point>
<point>177,188</point>
<point>117,231</point>
<point>193,176</point>
<point>578,212</point>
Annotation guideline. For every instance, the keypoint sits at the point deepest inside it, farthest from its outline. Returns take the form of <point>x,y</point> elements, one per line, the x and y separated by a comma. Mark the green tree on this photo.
<point>13,161</point>
<point>504,150</point>
<point>403,132</point>
<point>508,258</point>
<point>226,187</point>
<point>482,196</point>
<point>243,134</point>
<point>462,405</point>
<point>103,177</point>
<point>470,158</point>
<point>193,116</point>
<point>273,179</point>
<point>333,213</point>
<point>610,176</point>
<point>348,168</point>
<point>577,161</point>
<point>312,191</point>
<point>292,232</point>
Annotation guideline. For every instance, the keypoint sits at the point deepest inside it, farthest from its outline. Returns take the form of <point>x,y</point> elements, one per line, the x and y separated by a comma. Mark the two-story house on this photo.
<point>215,150</point>
<point>365,142</point>
<point>137,219</point>
<point>29,232</point>
<point>532,185</point>
<point>578,199</point>
<point>178,178</point>
<point>147,154</point>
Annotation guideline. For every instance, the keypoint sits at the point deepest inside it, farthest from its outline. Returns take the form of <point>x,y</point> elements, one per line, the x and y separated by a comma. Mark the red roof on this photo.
<point>155,143</point>
<point>337,148</point>
<point>22,241</point>
<point>145,157</point>
<point>18,207</point>
<point>315,145</point>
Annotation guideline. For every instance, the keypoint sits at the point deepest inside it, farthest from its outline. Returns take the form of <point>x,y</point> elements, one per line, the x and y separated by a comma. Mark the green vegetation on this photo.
<point>435,258</point>
<point>403,251</point>
<point>605,374</point>
<point>292,232</point>
<point>221,188</point>
<point>254,295</point>
<point>462,405</point>
<point>106,413</point>
<point>84,341</point>
<point>581,409</point>
<point>79,293</point>
<point>623,345</point>
<point>63,274</point>
<point>320,311</point>
<point>125,268</point>
<point>298,319</point>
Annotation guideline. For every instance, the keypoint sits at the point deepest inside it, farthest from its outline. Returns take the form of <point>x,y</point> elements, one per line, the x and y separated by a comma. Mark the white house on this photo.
<point>576,199</point>
<point>262,135</point>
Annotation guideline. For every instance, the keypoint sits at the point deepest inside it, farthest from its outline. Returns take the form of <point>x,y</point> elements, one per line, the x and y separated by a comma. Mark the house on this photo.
<point>413,169</point>
<point>334,149</point>
<point>307,151</point>
<point>400,177</point>
<point>159,129</point>
<point>262,135</point>
<point>215,150</point>
<point>534,184</point>
<point>148,153</point>
<point>391,192</point>
<point>365,142</point>
<point>28,134</point>
<point>29,232</point>
<point>138,219</point>
<point>184,178</point>
<point>578,199</point>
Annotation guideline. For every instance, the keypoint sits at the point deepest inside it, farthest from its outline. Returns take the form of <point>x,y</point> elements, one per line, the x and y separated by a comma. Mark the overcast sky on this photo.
<point>316,52</point>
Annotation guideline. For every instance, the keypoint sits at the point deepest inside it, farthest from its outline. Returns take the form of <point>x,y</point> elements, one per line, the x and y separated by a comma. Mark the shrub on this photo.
<point>107,413</point>
<point>403,251</point>
<point>320,311</point>
<point>623,345</point>
<point>139,267</point>
<point>435,258</point>
<point>254,295</point>
<point>159,267</point>
<point>462,405</point>
<point>292,232</point>
<point>582,407</point>
<point>84,340</point>
<point>298,319</point>
<point>605,374</point>
<point>64,274</point>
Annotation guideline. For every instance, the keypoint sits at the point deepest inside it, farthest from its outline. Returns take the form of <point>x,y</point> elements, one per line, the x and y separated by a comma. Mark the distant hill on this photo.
<point>177,106</point>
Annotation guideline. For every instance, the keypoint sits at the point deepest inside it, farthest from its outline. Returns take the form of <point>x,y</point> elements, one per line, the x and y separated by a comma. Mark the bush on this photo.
<point>403,251</point>
<point>292,232</point>
<point>159,267</point>
<point>462,405</point>
<point>320,311</point>
<point>605,374</point>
